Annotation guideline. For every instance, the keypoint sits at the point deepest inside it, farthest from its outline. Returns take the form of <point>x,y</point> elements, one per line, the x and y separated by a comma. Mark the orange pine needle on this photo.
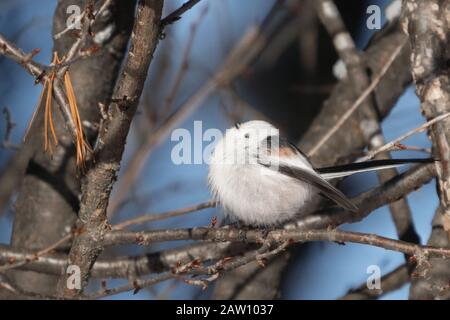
<point>46,124</point>
<point>82,146</point>
<point>50,112</point>
<point>48,116</point>
<point>76,118</point>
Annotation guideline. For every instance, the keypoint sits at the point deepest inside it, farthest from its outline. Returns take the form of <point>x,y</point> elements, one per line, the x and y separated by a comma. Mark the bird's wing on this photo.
<point>284,147</point>
<point>314,179</point>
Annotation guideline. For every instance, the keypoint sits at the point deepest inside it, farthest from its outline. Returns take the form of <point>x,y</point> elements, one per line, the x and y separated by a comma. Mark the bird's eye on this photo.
<point>247,136</point>
<point>237,125</point>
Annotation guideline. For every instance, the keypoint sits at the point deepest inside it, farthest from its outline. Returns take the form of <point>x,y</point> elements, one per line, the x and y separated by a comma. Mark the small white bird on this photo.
<point>261,179</point>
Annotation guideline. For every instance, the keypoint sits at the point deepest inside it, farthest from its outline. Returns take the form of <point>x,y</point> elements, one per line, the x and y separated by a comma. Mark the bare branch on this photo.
<point>361,98</point>
<point>10,124</point>
<point>176,15</point>
<point>9,50</point>
<point>97,185</point>
<point>19,260</point>
<point>165,215</point>
<point>276,236</point>
<point>14,263</point>
<point>36,70</point>
<point>280,237</point>
<point>393,145</point>
<point>123,267</point>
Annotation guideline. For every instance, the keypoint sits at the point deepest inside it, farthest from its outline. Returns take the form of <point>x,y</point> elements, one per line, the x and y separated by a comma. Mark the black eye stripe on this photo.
<point>269,142</point>
<point>237,125</point>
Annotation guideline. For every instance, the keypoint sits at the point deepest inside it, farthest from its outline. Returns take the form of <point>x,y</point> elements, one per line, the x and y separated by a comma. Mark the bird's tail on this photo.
<point>334,172</point>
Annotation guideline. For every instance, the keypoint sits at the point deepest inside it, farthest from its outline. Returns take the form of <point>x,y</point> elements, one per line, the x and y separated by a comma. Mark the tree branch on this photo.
<point>97,184</point>
<point>48,202</point>
<point>123,267</point>
<point>176,15</point>
<point>11,51</point>
<point>428,25</point>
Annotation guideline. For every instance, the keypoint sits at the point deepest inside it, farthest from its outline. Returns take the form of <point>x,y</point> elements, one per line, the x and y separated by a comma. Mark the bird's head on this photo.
<point>243,142</point>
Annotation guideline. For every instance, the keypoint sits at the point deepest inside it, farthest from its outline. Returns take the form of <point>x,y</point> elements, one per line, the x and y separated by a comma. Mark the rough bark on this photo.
<point>47,203</point>
<point>100,177</point>
<point>428,25</point>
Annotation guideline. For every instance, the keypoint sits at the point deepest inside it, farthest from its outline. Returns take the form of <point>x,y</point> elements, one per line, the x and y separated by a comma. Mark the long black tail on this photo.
<point>372,165</point>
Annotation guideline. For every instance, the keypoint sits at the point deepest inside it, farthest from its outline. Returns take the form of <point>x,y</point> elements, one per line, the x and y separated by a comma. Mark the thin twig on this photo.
<point>276,236</point>
<point>191,268</point>
<point>394,143</point>
<point>38,71</point>
<point>176,15</point>
<point>284,238</point>
<point>165,215</point>
<point>35,256</point>
<point>10,124</point>
<point>358,101</point>
<point>142,219</point>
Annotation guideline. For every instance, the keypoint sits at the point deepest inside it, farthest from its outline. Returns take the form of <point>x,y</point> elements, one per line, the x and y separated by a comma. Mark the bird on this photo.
<point>261,179</point>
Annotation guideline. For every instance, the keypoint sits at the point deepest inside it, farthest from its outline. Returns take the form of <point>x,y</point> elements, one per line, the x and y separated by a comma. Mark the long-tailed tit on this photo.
<point>261,179</point>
